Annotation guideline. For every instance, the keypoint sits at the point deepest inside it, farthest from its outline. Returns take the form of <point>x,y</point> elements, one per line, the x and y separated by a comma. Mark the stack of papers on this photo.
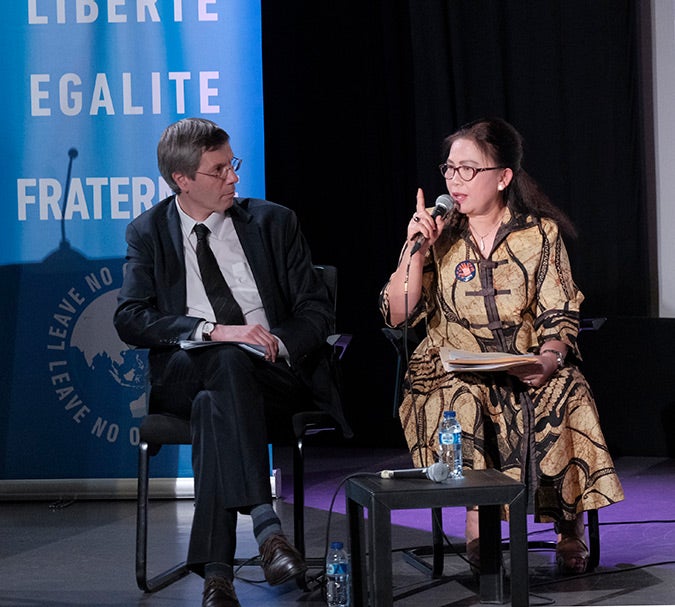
<point>465,360</point>
<point>252,348</point>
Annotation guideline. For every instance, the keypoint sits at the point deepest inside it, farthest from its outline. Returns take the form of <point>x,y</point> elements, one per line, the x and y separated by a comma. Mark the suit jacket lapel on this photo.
<point>259,258</point>
<point>172,236</point>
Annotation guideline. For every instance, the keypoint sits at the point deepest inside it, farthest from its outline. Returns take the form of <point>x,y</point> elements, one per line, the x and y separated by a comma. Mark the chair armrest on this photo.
<point>339,342</point>
<point>591,324</point>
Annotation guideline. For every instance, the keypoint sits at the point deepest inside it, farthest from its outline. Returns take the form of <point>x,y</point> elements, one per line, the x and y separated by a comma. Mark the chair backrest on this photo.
<point>338,341</point>
<point>404,343</point>
<point>329,276</point>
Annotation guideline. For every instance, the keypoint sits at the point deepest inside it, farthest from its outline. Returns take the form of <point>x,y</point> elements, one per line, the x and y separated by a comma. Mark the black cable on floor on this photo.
<point>318,580</point>
<point>569,578</point>
<point>248,563</point>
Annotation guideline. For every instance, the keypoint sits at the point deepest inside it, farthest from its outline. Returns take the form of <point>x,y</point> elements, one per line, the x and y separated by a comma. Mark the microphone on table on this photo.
<point>444,204</point>
<point>437,472</point>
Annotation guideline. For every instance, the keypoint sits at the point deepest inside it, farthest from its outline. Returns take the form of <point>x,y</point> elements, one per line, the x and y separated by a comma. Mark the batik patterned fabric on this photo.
<point>514,300</point>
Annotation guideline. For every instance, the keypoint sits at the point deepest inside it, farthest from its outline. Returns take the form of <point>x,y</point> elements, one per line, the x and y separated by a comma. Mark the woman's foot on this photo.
<point>571,551</point>
<point>572,555</point>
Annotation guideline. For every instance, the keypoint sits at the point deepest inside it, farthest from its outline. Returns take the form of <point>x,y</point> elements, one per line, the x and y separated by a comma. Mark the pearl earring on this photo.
<point>500,187</point>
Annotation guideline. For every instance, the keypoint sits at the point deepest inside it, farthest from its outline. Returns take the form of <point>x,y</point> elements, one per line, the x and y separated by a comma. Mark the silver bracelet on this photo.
<point>558,356</point>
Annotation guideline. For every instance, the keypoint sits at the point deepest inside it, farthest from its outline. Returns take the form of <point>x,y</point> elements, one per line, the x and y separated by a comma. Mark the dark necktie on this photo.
<point>224,305</point>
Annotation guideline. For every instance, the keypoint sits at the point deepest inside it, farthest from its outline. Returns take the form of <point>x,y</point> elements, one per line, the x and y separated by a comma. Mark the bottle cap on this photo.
<point>337,545</point>
<point>447,414</point>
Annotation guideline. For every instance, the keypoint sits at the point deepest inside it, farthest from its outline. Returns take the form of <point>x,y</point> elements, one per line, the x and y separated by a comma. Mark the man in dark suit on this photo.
<point>275,301</point>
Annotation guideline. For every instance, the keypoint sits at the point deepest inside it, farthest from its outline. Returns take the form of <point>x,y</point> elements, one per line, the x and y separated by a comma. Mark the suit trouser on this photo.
<point>227,394</point>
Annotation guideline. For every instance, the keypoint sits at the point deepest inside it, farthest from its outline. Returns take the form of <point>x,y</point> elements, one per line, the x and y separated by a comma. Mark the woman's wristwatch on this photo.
<point>560,358</point>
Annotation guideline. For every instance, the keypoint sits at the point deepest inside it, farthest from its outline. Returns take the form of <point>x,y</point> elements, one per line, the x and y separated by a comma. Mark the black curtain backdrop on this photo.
<point>358,97</point>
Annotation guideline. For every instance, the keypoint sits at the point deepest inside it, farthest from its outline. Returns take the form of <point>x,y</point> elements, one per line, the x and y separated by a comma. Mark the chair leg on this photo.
<point>416,556</point>
<point>299,502</point>
<point>593,539</point>
<point>171,575</point>
<point>299,495</point>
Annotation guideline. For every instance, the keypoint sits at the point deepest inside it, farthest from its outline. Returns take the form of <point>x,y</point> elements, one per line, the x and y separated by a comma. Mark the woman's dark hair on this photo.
<point>182,144</point>
<point>500,141</point>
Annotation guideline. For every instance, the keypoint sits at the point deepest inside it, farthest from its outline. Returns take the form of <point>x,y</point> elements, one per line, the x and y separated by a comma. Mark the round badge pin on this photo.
<point>465,271</point>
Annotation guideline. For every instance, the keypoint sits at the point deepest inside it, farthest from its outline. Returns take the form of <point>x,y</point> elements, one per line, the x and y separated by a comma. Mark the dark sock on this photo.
<point>265,522</point>
<point>222,570</point>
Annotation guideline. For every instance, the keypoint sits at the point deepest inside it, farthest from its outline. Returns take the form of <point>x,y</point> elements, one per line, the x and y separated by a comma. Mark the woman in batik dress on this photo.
<point>493,275</point>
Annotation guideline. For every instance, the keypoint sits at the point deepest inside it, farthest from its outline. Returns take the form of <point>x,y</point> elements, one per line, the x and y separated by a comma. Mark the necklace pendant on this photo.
<point>482,245</point>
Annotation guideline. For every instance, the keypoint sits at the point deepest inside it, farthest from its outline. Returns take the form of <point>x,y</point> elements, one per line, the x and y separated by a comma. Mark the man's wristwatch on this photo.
<point>207,329</point>
<point>560,359</point>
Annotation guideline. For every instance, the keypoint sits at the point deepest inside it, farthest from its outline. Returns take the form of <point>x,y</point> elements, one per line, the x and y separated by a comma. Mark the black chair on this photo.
<point>404,342</point>
<point>158,429</point>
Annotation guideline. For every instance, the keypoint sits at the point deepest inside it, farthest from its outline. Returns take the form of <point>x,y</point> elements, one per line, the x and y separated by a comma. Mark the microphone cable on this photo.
<point>319,580</point>
<point>420,444</point>
<point>443,207</point>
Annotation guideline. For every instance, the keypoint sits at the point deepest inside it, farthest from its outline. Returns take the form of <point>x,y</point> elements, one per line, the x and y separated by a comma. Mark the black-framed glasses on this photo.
<point>235,165</point>
<point>466,173</point>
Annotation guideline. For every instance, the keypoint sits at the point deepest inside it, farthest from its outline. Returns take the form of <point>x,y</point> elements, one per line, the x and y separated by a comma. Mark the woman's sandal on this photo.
<point>572,555</point>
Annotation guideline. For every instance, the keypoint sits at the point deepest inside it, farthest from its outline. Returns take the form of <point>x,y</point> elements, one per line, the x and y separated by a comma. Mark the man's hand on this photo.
<point>248,334</point>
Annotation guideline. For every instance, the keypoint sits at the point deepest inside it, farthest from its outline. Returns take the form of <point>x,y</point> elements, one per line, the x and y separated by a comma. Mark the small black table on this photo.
<point>488,489</point>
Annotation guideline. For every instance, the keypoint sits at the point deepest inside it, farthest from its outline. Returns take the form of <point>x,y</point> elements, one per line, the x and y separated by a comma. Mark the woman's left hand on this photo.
<point>536,374</point>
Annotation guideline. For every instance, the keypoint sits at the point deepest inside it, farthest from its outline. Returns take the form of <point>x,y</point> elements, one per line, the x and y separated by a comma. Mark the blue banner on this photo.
<point>91,84</point>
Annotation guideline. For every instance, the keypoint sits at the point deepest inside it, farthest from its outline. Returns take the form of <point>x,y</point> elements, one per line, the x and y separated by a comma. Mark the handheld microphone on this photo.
<point>437,472</point>
<point>444,204</point>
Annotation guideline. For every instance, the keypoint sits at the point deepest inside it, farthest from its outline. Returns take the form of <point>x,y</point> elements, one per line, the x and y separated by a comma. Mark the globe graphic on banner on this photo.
<point>109,363</point>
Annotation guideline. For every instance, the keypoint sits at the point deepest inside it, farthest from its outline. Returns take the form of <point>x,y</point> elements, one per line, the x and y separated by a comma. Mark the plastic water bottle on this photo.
<point>450,443</point>
<point>337,576</point>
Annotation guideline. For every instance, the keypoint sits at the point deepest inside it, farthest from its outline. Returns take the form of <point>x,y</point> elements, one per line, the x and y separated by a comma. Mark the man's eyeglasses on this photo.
<point>235,165</point>
<point>466,173</point>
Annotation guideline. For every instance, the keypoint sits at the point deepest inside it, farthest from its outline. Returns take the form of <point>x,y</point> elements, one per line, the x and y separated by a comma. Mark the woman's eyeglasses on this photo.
<point>466,173</point>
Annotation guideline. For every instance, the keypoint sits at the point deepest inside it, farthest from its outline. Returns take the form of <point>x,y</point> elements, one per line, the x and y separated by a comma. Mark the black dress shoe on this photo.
<point>280,560</point>
<point>219,592</point>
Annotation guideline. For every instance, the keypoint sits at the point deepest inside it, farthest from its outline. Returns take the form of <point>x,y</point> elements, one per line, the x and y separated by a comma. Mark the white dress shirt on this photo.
<point>233,264</point>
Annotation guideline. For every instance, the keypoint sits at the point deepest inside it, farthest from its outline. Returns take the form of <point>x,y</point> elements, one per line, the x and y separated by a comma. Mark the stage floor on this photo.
<point>82,553</point>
